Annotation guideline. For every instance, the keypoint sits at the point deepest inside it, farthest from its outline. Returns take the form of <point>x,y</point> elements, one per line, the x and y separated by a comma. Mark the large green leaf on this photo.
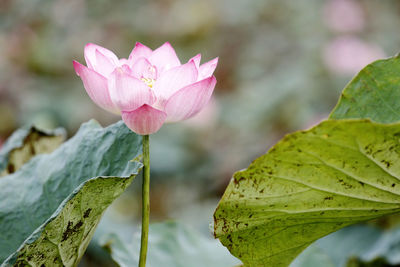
<point>170,245</point>
<point>374,93</point>
<point>50,207</point>
<point>24,144</point>
<point>310,184</point>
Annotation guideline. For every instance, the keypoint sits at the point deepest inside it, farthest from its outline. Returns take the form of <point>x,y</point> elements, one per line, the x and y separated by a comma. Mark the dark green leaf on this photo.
<point>374,93</point>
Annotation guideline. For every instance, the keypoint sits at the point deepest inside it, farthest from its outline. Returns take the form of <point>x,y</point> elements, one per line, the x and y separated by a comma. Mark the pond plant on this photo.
<point>343,171</point>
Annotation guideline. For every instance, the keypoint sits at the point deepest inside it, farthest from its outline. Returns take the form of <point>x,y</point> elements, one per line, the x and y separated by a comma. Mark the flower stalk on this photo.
<point>145,201</point>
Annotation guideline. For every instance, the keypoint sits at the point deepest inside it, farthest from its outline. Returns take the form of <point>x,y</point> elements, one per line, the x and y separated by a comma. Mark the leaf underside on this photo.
<point>310,184</point>
<point>50,207</point>
<point>63,239</point>
<point>315,182</point>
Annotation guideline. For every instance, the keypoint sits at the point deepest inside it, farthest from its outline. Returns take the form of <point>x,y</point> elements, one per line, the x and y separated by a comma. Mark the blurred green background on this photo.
<point>282,66</point>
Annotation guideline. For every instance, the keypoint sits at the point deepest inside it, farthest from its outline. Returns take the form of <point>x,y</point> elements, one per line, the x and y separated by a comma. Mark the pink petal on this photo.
<point>143,68</point>
<point>127,92</point>
<point>196,59</point>
<point>144,120</point>
<point>103,64</point>
<point>123,61</point>
<point>91,58</point>
<point>207,69</point>
<point>96,87</point>
<point>139,51</point>
<point>164,58</point>
<point>174,79</point>
<point>189,100</point>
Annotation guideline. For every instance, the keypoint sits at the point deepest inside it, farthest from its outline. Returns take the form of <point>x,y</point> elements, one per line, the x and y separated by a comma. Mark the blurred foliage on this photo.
<point>354,246</point>
<point>26,143</point>
<point>282,67</point>
<point>171,244</point>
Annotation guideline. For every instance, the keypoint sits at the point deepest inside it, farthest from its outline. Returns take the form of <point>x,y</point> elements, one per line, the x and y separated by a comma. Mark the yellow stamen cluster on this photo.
<point>148,81</point>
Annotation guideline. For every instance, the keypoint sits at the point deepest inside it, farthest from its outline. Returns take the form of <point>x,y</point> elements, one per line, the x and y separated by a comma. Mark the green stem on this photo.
<point>145,201</point>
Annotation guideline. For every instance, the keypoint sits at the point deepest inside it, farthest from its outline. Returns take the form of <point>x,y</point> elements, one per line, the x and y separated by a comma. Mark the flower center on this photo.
<point>148,81</point>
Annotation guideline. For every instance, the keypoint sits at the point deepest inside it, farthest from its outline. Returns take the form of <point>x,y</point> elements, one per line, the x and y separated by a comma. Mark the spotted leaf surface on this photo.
<point>310,184</point>
<point>49,208</point>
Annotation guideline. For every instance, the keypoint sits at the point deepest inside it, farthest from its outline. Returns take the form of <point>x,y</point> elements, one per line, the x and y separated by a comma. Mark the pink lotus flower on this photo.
<point>150,87</point>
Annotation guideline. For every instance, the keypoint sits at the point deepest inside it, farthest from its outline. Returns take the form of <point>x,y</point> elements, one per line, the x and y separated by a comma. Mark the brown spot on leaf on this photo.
<point>387,163</point>
<point>87,213</point>
<point>10,168</point>
<point>71,230</point>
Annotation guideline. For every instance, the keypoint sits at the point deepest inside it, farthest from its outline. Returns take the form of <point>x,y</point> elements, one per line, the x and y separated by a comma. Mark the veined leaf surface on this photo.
<point>50,207</point>
<point>310,184</point>
<point>373,94</point>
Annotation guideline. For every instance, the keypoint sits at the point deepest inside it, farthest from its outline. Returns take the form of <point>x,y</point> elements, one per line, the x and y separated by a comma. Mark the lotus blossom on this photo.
<point>150,87</point>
